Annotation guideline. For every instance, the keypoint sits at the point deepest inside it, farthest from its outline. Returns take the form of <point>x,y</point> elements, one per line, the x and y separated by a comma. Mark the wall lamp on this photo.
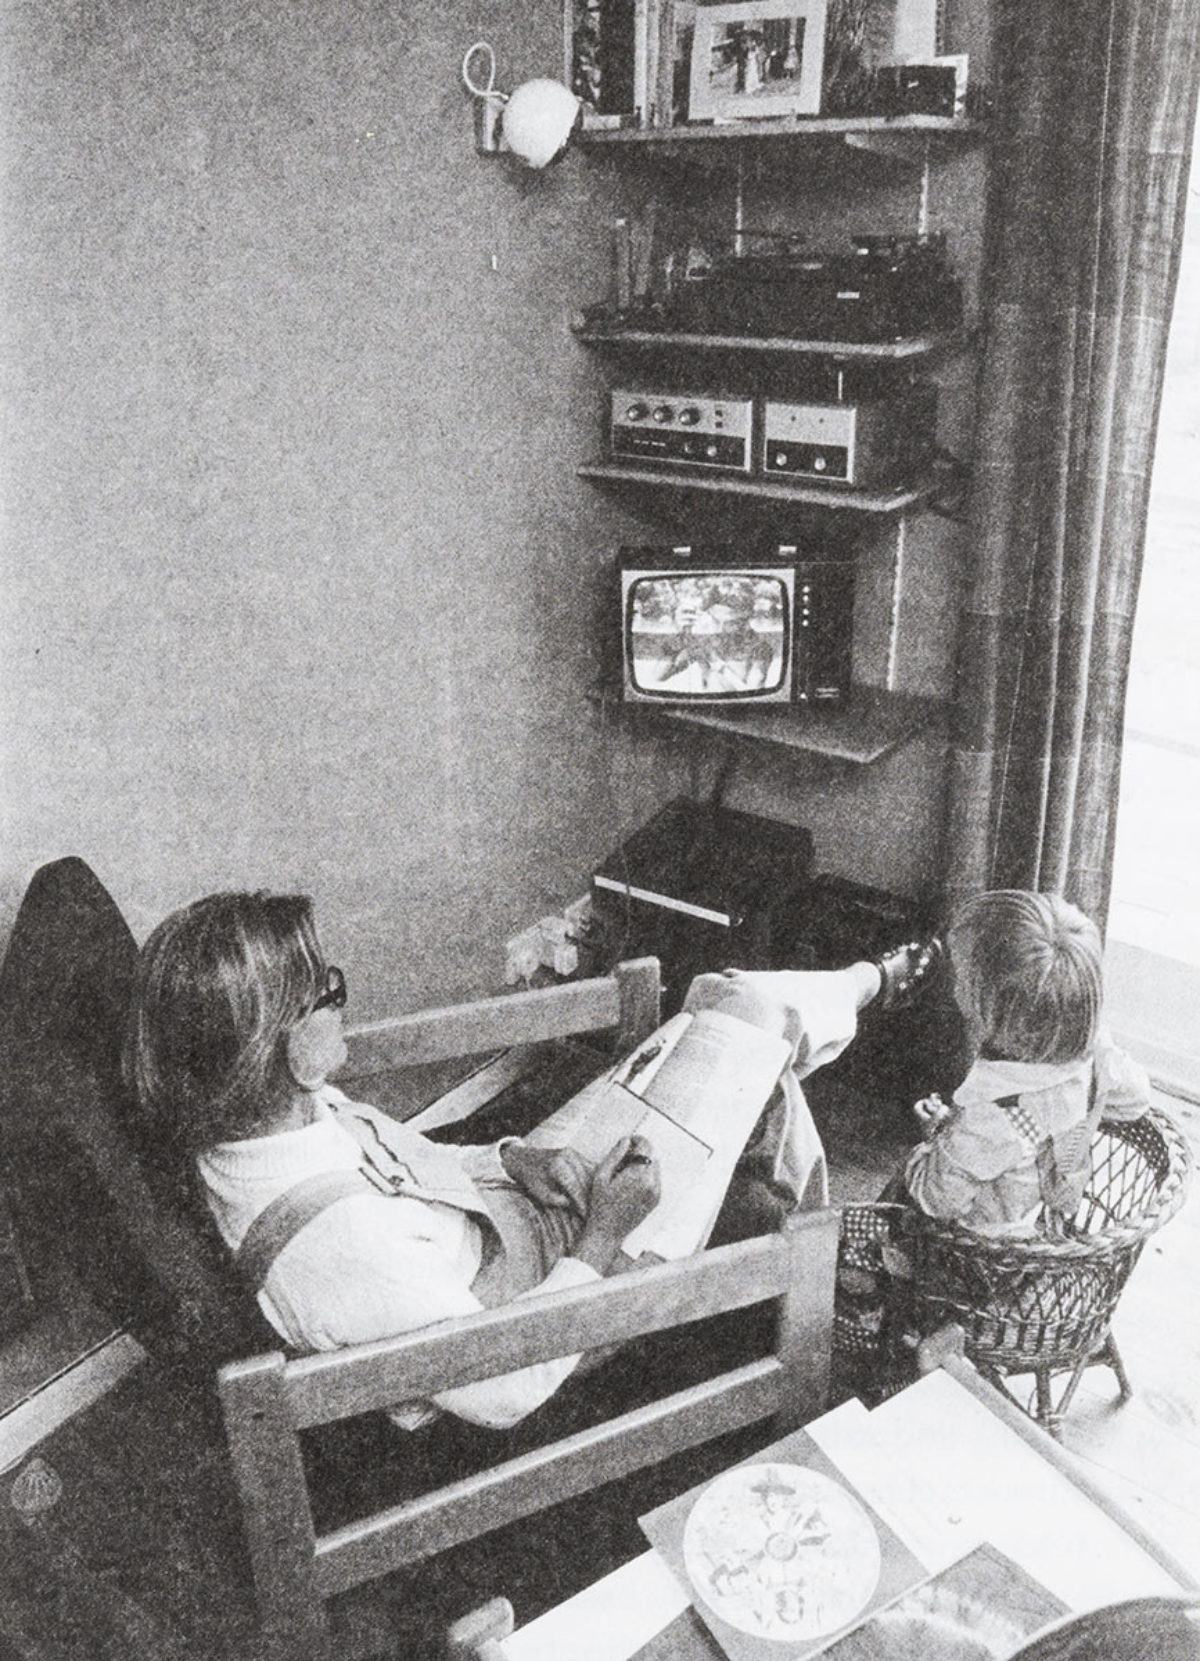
<point>534,123</point>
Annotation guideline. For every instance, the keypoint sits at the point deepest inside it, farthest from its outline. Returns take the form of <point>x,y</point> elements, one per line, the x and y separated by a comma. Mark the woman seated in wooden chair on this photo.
<point>353,1227</point>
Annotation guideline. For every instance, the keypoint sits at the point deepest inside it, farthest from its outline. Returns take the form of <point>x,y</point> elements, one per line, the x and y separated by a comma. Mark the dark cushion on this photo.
<point>89,1189</point>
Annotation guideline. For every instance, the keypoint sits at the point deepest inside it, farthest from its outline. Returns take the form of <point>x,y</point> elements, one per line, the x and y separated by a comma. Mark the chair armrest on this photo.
<point>360,1379</point>
<point>477,1636</point>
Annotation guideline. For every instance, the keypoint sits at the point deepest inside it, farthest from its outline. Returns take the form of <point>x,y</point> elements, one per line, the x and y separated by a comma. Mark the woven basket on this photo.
<point>1038,1304</point>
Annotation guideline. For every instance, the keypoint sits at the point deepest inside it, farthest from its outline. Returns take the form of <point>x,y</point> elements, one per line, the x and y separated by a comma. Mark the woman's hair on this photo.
<point>218,985</point>
<point>1027,972</point>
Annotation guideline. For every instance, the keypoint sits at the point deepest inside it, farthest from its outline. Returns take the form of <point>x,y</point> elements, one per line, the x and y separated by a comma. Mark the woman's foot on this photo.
<point>905,971</point>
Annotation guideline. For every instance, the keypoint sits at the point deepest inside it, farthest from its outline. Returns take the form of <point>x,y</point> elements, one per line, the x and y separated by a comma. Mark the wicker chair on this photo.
<point>1040,1305</point>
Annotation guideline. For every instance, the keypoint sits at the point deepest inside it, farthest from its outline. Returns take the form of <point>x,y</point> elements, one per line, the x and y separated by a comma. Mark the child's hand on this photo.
<point>931,1111</point>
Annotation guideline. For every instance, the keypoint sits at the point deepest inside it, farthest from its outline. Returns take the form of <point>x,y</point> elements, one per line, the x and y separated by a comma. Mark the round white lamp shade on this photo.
<point>538,120</point>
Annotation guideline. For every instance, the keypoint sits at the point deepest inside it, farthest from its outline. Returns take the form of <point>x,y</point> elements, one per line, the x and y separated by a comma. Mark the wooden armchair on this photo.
<point>148,1257</point>
<point>269,1401</point>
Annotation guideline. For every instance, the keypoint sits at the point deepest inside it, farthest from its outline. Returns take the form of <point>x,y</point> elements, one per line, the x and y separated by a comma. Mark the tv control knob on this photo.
<point>819,464</point>
<point>710,450</point>
<point>781,458</point>
<point>688,417</point>
<point>637,412</point>
<point>663,412</point>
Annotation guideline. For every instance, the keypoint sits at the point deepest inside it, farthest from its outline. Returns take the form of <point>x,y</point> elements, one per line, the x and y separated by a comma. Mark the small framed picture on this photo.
<point>753,58</point>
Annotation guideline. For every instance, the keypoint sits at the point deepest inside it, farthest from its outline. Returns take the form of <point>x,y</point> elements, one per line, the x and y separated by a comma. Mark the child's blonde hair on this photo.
<point>1027,973</point>
<point>218,986</point>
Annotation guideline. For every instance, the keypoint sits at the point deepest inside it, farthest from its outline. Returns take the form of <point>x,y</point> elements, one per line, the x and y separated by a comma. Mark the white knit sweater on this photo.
<point>374,1265</point>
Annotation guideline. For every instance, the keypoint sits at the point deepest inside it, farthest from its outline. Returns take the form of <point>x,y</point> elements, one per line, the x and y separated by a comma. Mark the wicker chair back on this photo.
<point>1041,1304</point>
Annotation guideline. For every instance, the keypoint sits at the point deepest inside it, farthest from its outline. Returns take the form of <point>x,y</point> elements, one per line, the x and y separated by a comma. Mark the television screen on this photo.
<point>707,629</point>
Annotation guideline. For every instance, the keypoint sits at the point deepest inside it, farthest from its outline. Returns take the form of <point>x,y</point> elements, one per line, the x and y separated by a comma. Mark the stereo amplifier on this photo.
<point>682,429</point>
<point>872,445</point>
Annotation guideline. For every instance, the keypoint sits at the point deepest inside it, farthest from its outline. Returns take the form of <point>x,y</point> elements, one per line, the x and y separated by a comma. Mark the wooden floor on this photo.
<point>1147,1453</point>
<point>118,1537</point>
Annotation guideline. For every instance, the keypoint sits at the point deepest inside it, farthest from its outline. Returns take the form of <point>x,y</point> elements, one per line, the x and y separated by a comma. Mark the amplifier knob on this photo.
<point>636,412</point>
<point>781,458</point>
<point>710,450</point>
<point>819,464</point>
<point>688,417</point>
<point>663,412</point>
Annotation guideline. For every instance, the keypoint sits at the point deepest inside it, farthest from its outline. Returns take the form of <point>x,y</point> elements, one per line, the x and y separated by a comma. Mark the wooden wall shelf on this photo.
<point>842,499</point>
<point>868,725</point>
<point>888,351</point>
<point>861,130</point>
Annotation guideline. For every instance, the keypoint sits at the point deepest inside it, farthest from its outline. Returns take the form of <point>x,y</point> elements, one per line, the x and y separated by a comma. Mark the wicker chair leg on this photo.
<point>1108,1355</point>
<point>1046,1415</point>
<point>998,1382</point>
<point>1068,1395</point>
<point>1111,1355</point>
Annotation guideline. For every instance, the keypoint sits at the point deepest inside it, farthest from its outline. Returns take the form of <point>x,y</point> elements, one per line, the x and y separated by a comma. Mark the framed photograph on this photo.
<point>753,58</point>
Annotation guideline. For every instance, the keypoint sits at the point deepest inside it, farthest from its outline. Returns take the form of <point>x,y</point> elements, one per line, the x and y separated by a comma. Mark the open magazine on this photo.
<point>695,1090</point>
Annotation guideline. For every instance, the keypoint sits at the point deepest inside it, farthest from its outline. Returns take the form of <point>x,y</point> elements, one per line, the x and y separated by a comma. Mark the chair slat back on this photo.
<point>627,1001</point>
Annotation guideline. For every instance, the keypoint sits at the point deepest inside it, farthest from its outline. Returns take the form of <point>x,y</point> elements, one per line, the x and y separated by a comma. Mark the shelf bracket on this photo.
<point>894,603</point>
<point>895,147</point>
<point>739,208</point>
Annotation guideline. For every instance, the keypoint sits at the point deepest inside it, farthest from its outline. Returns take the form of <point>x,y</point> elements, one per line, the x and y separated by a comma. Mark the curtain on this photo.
<point>1095,106</point>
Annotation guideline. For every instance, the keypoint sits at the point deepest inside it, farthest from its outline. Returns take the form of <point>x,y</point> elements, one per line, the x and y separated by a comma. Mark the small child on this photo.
<point>1027,978</point>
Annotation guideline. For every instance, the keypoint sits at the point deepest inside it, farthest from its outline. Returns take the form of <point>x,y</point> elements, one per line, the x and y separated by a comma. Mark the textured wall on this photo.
<point>295,557</point>
<point>299,582</point>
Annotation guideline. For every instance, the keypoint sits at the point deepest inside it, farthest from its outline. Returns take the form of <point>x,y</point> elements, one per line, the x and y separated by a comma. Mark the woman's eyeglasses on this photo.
<point>333,995</point>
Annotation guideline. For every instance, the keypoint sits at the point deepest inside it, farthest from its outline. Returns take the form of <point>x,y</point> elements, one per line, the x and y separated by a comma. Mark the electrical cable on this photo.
<point>488,91</point>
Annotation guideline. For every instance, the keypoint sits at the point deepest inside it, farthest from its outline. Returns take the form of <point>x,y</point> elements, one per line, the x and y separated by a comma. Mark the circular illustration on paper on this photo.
<point>781,1552</point>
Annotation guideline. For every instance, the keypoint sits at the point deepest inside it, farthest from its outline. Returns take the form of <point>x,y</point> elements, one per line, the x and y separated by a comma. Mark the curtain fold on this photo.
<point>1096,104</point>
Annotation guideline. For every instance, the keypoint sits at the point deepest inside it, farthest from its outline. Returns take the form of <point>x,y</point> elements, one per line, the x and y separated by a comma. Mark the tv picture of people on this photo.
<point>709,634</point>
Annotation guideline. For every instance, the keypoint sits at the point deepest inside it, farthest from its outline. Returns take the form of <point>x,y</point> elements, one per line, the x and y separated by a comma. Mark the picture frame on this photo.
<point>757,58</point>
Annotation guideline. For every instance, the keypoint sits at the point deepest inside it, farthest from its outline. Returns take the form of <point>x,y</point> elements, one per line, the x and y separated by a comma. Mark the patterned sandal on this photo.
<point>905,972</point>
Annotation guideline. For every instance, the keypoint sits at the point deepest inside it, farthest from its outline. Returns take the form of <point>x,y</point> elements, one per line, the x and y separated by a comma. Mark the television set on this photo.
<point>711,625</point>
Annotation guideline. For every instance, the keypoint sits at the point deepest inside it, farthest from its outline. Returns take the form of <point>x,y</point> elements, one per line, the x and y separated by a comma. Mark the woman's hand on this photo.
<point>624,1189</point>
<point>558,1177</point>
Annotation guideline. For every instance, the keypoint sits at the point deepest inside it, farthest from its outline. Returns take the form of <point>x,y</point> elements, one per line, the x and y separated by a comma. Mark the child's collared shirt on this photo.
<point>980,1168</point>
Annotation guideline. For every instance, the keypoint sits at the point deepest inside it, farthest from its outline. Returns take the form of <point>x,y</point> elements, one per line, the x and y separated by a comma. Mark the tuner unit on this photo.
<point>871,445</point>
<point>682,430</point>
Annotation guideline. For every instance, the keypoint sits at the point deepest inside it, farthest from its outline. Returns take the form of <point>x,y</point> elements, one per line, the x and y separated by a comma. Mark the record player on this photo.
<point>880,289</point>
